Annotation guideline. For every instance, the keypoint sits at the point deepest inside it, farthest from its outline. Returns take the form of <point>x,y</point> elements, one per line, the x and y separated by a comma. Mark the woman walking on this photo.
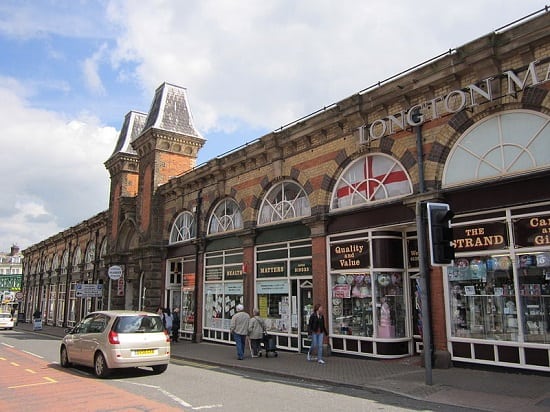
<point>317,330</point>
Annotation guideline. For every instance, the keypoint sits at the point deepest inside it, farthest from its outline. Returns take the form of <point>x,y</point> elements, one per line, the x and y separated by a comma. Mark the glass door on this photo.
<point>306,308</point>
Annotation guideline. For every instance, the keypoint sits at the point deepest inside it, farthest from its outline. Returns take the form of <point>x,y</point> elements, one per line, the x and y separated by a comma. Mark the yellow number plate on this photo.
<point>144,352</point>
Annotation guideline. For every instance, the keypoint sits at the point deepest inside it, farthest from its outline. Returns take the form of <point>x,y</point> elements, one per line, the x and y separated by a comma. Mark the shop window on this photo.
<point>184,228</point>
<point>534,294</point>
<point>372,178</point>
<point>226,217</point>
<point>285,201</point>
<point>504,144</point>
<point>483,299</point>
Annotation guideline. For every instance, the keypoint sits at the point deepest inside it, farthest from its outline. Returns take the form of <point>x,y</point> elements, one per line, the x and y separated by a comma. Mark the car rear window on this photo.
<point>5,315</point>
<point>138,324</point>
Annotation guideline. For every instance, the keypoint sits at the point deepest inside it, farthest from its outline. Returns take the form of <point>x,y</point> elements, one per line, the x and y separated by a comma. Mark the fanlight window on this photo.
<point>285,201</point>
<point>226,217</point>
<point>505,144</point>
<point>184,228</point>
<point>370,179</point>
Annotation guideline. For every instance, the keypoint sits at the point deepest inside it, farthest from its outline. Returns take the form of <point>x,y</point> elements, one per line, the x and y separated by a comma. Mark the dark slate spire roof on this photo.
<point>131,129</point>
<point>170,111</point>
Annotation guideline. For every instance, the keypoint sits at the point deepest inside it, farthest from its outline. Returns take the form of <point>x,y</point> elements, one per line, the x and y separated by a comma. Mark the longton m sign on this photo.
<point>454,101</point>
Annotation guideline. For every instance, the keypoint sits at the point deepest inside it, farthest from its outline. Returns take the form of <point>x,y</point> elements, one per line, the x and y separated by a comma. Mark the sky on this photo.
<point>70,70</point>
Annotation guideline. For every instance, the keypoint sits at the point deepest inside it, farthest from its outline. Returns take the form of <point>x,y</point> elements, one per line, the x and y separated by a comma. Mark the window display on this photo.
<point>482,298</point>
<point>352,305</point>
<point>534,293</point>
<point>390,305</point>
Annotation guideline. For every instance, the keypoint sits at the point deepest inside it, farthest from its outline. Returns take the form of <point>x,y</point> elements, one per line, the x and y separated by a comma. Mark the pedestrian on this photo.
<point>256,329</point>
<point>239,329</point>
<point>317,331</point>
<point>175,324</point>
<point>167,320</point>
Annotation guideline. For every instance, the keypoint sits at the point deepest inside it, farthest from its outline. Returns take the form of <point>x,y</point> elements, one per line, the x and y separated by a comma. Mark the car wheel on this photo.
<point>101,369</point>
<point>64,358</point>
<point>159,368</point>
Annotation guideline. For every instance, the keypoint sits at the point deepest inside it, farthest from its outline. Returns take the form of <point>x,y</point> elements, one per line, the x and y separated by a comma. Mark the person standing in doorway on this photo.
<point>175,324</point>
<point>317,331</point>
<point>239,329</point>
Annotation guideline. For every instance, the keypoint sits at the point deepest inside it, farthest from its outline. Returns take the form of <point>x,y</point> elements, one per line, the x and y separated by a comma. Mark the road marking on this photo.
<point>14,363</point>
<point>173,397</point>
<point>34,354</point>
<point>49,380</point>
<point>9,346</point>
<point>30,371</point>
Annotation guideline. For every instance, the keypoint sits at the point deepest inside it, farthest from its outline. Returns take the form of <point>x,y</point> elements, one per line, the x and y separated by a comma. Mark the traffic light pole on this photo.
<point>424,291</point>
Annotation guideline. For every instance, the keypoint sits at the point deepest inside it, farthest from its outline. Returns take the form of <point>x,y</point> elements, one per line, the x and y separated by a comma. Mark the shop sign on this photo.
<point>350,255</point>
<point>341,291</point>
<point>188,280</point>
<point>455,101</point>
<point>213,274</point>
<point>532,231</point>
<point>482,236</point>
<point>11,282</point>
<point>234,272</point>
<point>412,253</point>
<point>271,269</point>
<point>300,268</point>
<point>272,287</point>
<point>233,288</point>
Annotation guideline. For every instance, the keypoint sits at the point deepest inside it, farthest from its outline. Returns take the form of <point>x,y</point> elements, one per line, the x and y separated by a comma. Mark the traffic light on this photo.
<point>441,234</point>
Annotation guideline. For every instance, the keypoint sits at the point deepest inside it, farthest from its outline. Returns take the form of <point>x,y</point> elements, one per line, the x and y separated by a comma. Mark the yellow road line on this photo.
<point>30,371</point>
<point>14,363</point>
<point>49,380</point>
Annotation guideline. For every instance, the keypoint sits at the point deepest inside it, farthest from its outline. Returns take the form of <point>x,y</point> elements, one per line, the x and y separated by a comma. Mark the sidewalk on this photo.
<point>459,386</point>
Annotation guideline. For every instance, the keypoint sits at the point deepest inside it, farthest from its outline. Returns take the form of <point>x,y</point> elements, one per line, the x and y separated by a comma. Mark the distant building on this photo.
<point>11,274</point>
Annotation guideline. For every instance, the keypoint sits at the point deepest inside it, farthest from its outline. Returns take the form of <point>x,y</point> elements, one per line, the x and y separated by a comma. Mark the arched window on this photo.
<point>90,256</point>
<point>226,217</point>
<point>184,228</point>
<point>77,258</point>
<point>505,144</point>
<point>285,201</point>
<point>372,178</point>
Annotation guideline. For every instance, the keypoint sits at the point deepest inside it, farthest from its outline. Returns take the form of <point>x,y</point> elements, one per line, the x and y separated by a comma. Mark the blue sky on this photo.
<point>71,69</point>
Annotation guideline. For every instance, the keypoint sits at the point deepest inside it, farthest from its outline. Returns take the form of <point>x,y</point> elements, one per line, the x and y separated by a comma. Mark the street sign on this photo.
<point>115,272</point>
<point>89,290</point>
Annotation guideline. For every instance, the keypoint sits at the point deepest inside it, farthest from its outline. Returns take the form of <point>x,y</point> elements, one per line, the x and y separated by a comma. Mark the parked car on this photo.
<point>6,321</point>
<point>107,340</point>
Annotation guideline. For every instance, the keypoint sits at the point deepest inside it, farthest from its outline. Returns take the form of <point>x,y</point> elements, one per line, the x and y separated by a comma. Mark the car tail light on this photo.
<point>167,335</point>
<point>113,338</point>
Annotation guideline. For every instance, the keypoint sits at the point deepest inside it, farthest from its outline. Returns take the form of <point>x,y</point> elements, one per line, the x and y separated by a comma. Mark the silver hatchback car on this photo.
<point>109,340</point>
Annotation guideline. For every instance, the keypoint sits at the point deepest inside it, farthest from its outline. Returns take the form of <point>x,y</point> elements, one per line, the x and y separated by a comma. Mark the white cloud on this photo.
<point>52,168</point>
<point>90,68</point>
<point>269,63</point>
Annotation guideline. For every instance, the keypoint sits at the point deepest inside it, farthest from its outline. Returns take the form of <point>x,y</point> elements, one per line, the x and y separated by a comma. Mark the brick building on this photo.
<point>329,209</point>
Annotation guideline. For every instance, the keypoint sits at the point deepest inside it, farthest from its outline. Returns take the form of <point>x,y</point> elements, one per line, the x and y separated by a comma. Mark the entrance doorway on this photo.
<point>306,308</point>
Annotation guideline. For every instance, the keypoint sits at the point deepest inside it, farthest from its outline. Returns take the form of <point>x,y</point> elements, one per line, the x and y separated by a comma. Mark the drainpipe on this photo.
<point>141,291</point>
<point>197,246</point>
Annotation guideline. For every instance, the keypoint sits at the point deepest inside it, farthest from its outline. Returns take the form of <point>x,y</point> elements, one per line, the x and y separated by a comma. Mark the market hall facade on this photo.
<point>324,210</point>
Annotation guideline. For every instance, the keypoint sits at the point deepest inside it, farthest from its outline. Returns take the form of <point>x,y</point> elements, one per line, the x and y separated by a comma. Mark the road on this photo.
<point>31,379</point>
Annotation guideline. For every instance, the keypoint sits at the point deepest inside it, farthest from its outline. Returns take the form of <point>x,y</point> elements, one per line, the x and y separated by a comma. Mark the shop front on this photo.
<point>223,290</point>
<point>284,291</point>
<point>499,288</point>
<point>370,305</point>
